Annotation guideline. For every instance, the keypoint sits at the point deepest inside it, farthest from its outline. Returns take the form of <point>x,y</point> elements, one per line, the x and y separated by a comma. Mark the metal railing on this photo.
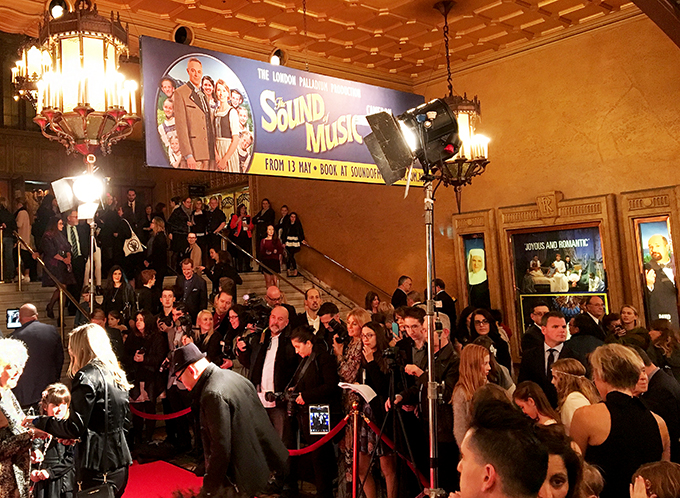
<point>62,288</point>
<point>262,265</point>
<point>343,267</point>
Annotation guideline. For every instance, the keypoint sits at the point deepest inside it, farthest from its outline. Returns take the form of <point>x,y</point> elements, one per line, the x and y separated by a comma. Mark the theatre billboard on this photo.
<point>209,111</point>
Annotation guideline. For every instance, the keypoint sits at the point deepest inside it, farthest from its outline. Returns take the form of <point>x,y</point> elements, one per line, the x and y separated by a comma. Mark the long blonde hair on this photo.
<point>89,342</point>
<point>204,338</point>
<point>471,375</point>
<point>572,378</point>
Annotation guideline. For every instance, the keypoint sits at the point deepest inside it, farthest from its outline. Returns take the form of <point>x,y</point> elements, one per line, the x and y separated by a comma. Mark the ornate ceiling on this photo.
<point>398,41</point>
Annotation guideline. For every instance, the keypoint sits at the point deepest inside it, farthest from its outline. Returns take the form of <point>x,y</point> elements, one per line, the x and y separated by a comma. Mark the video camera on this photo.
<point>289,396</point>
<point>256,312</point>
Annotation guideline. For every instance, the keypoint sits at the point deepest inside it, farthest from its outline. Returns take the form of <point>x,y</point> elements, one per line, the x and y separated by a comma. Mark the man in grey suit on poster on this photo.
<point>45,357</point>
<point>193,121</point>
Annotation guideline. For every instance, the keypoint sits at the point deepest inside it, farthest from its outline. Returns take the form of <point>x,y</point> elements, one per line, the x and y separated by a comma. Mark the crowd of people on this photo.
<point>592,409</point>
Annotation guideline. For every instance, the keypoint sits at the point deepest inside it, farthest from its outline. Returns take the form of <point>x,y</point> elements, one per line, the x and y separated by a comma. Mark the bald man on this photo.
<point>45,357</point>
<point>275,297</point>
<point>661,290</point>
<point>272,362</point>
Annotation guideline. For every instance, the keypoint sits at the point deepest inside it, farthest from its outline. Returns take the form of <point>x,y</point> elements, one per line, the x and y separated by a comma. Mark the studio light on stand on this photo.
<point>440,136</point>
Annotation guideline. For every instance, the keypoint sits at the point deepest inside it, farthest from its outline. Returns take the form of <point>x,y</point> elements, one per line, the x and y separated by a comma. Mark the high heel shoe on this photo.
<point>50,312</point>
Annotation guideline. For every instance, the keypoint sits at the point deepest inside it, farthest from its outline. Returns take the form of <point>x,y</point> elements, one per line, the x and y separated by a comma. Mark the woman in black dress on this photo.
<point>48,209</point>
<point>483,324</point>
<point>119,294</point>
<point>262,220</point>
<point>293,238</point>
<point>57,256</point>
<point>222,267</point>
<point>157,251</point>
<point>145,350</point>
<point>145,223</point>
<point>241,233</point>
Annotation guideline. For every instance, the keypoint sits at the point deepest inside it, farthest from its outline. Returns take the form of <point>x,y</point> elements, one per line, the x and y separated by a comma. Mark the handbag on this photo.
<point>132,245</point>
<point>104,490</point>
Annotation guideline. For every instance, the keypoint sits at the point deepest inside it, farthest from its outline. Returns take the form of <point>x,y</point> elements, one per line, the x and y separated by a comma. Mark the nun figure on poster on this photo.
<point>477,279</point>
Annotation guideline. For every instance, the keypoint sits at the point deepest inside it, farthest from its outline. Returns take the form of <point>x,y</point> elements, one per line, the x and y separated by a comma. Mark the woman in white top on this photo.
<point>574,389</point>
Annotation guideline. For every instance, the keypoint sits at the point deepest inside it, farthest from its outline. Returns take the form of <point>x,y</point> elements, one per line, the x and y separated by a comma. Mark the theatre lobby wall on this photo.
<point>590,115</point>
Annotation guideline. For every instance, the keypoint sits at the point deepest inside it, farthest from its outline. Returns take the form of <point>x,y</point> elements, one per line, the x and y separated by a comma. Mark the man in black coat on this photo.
<point>272,361</point>
<point>444,303</point>
<point>533,337</point>
<point>133,211</point>
<point>595,310</point>
<point>537,362</point>
<point>663,398</point>
<point>192,290</point>
<point>45,357</point>
<point>241,447</point>
<point>403,287</point>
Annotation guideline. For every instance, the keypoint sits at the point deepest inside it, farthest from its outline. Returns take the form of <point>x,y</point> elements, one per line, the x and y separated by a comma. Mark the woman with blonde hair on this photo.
<point>349,354</point>
<point>474,369</point>
<point>99,411</point>
<point>619,434</point>
<point>574,389</point>
<point>629,333</point>
<point>208,341</point>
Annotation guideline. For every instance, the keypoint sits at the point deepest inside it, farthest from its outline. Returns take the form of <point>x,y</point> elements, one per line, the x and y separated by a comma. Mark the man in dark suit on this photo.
<point>274,298</point>
<point>661,292</point>
<point>533,337</point>
<point>133,211</point>
<point>241,447</point>
<point>443,302</point>
<point>310,315</point>
<point>403,288</point>
<point>78,235</point>
<point>594,309</point>
<point>272,361</point>
<point>45,357</point>
<point>192,120</point>
<point>537,362</point>
<point>193,290</point>
<point>663,398</point>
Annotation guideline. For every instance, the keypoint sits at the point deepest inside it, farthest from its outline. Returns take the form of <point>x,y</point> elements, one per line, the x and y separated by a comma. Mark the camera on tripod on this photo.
<point>256,312</point>
<point>289,396</point>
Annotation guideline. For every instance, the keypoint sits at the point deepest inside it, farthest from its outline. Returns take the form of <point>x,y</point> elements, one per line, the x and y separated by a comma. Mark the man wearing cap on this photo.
<point>241,447</point>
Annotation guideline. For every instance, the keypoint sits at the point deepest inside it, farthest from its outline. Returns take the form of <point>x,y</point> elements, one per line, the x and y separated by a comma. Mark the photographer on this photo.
<point>314,382</point>
<point>271,360</point>
<point>446,363</point>
<point>329,315</point>
<point>375,372</point>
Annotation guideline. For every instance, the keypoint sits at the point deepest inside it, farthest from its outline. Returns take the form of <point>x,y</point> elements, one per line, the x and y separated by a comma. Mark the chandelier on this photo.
<point>472,158</point>
<point>71,77</point>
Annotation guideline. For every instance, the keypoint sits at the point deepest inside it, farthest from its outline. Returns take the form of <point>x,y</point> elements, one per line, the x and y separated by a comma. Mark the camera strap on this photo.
<point>301,370</point>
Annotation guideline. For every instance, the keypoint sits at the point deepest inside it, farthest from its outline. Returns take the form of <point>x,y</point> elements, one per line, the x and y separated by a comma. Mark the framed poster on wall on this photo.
<point>657,265</point>
<point>477,277</point>
<point>651,221</point>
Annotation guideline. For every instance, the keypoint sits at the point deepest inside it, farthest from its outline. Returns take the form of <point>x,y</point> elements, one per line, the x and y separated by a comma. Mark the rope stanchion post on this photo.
<point>21,275</point>
<point>355,453</point>
<point>2,254</point>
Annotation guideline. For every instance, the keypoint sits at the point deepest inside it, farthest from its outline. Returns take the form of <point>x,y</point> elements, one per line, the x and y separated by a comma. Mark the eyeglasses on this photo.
<point>367,336</point>
<point>482,322</point>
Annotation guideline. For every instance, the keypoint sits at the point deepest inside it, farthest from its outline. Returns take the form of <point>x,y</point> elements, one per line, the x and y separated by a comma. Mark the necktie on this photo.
<point>551,359</point>
<point>75,250</point>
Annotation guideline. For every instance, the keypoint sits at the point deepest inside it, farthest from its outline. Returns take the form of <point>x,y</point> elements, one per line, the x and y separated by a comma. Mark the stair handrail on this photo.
<point>262,265</point>
<point>340,265</point>
<point>60,286</point>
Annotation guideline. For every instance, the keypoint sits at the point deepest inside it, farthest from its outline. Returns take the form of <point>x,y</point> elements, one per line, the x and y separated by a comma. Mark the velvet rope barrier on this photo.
<point>154,416</point>
<point>423,481</point>
<point>322,441</point>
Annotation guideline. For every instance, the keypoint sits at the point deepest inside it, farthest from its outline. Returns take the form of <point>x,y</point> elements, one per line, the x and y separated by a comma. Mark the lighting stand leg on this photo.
<point>432,388</point>
<point>61,313</point>
<point>355,453</point>
<point>92,282</point>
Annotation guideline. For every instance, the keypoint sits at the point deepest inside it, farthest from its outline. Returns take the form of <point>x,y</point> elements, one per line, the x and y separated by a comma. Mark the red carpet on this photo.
<point>159,480</point>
